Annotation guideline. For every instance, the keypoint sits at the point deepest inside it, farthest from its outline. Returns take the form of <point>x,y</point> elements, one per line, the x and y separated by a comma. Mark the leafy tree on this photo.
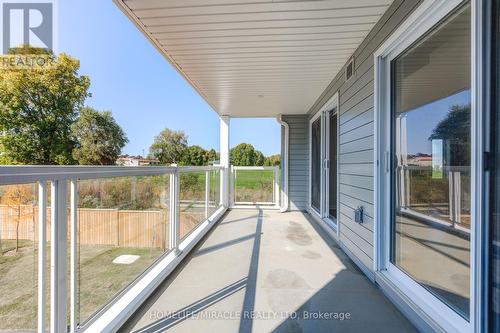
<point>37,108</point>
<point>212,155</point>
<point>169,146</point>
<point>15,196</point>
<point>194,155</point>
<point>99,139</point>
<point>245,154</point>
<point>454,130</point>
<point>273,160</point>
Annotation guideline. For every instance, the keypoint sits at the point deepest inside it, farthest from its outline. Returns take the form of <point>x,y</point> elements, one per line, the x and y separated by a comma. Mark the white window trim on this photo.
<point>332,103</point>
<point>429,13</point>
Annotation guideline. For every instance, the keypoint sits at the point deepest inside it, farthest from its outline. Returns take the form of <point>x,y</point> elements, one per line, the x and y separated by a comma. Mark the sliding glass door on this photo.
<point>427,180</point>
<point>494,180</point>
<point>323,163</point>
<point>430,174</point>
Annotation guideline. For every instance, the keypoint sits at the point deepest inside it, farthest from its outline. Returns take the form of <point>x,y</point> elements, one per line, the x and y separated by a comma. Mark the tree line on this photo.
<point>171,147</point>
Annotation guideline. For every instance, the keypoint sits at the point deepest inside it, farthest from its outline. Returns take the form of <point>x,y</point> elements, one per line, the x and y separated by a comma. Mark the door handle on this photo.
<point>387,161</point>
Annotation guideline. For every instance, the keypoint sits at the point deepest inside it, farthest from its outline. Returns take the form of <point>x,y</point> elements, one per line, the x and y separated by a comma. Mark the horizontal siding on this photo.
<point>356,137</point>
<point>298,156</point>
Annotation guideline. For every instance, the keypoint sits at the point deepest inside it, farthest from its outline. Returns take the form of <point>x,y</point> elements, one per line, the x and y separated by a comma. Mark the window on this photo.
<point>430,169</point>
<point>332,171</point>
<point>316,164</point>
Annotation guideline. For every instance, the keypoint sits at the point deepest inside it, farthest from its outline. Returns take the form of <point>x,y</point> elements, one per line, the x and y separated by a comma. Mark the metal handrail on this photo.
<point>29,174</point>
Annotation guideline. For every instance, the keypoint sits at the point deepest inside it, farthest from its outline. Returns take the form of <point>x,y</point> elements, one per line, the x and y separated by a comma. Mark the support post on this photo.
<point>174,211</point>
<point>42,256</point>
<point>276,186</point>
<point>74,254</point>
<point>59,257</point>
<point>224,159</point>
<point>207,193</point>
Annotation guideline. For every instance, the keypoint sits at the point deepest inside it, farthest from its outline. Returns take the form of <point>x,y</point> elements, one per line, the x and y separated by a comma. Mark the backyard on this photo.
<point>99,279</point>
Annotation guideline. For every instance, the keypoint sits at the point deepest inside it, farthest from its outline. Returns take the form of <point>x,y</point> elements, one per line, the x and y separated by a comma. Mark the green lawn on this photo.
<point>254,185</point>
<point>99,280</point>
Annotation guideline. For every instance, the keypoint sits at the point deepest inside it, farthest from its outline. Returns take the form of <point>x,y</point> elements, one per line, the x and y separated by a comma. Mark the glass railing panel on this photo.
<point>191,200</point>
<point>254,186</point>
<point>214,198</point>
<point>122,230</point>
<point>18,257</point>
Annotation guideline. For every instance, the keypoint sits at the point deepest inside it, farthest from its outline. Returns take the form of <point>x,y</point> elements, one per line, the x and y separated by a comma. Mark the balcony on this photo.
<point>155,249</point>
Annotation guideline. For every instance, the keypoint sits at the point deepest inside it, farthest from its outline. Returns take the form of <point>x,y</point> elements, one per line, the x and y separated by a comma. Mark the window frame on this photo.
<point>418,24</point>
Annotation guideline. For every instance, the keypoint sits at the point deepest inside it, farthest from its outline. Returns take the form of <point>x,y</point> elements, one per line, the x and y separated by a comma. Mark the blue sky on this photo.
<point>132,79</point>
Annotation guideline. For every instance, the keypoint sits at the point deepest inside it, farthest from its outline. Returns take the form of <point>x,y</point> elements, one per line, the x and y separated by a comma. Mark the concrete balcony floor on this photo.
<point>278,268</point>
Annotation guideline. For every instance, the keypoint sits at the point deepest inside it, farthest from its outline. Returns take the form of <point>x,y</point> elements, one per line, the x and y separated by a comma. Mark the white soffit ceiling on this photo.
<point>256,58</point>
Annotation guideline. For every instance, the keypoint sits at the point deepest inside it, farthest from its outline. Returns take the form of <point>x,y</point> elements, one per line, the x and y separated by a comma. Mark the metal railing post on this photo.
<point>74,254</point>
<point>207,193</point>
<point>59,257</point>
<point>42,256</point>
<point>174,211</point>
<point>276,187</point>
<point>232,186</point>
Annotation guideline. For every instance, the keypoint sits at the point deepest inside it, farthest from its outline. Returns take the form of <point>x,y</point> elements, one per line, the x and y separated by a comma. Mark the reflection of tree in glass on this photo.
<point>454,130</point>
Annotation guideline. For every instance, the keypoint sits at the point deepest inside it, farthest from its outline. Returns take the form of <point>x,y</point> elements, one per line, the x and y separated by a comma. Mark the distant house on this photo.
<point>420,160</point>
<point>126,160</point>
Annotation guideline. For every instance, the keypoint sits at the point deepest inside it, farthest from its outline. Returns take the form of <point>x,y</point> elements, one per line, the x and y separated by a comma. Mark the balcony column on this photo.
<point>224,159</point>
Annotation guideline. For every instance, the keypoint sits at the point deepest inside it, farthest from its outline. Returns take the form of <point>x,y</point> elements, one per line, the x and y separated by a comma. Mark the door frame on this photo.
<point>420,22</point>
<point>324,114</point>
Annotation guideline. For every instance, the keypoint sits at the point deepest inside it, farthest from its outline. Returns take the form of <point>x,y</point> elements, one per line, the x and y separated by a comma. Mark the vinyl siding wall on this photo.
<point>356,154</point>
<point>298,157</point>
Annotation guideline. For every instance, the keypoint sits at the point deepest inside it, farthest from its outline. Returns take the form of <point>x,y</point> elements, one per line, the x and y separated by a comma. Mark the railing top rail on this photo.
<point>30,174</point>
<point>255,167</point>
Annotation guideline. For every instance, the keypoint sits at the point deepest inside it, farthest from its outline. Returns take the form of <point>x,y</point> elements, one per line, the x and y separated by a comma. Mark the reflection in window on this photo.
<point>432,158</point>
<point>316,164</point>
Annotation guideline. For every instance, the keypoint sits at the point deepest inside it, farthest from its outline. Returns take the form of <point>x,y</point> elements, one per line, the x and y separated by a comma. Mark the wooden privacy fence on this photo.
<point>126,228</point>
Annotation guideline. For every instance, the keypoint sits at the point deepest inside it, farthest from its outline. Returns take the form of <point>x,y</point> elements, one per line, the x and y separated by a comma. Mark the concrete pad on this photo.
<point>126,259</point>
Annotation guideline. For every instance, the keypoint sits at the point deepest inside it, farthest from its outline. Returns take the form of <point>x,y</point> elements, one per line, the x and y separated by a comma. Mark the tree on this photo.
<point>454,130</point>
<point>37,108</point>
<point>245,154</point>
<point>15,197</point>
<point>99,139</point>
<point>169,146</point>
<point>273,160</point>
<point>194,155</point>
<point>212,155</point>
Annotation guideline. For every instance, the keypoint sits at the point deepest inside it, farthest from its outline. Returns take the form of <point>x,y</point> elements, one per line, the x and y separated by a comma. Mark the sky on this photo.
<point>130,78</point>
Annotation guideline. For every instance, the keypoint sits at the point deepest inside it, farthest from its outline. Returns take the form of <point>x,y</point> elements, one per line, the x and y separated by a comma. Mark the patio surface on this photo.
<point>265,271</point>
